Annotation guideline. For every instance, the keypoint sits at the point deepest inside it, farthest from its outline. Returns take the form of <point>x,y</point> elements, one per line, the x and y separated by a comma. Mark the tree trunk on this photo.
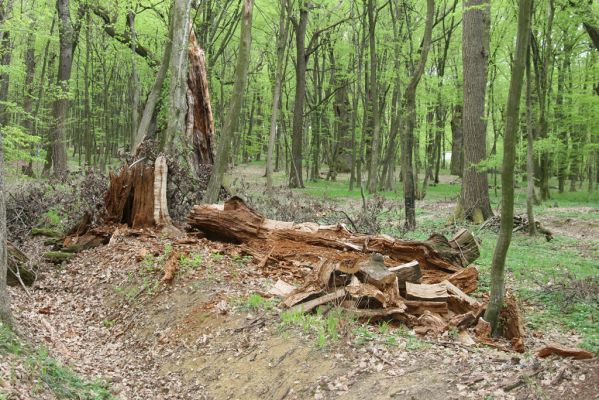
<point>530,163</point>
<point>295,175</point>
<point>457,142</point>
<point>474,200</point>
<point>276,92</point>
<point>178,66</point>
<point>135,86</point>
<point>68,42</point>
<point>199,132</point>
<point>232,118</point>
<point>509,162</point>
<point>409,122</point>
<point>373,94</point>
<point>143,130</point>
<point>5,57</point>
<point>5,314</point>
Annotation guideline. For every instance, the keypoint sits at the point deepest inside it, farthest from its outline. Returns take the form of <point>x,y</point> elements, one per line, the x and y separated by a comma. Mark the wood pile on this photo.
<point>520,225</point>
<point>423,284</point>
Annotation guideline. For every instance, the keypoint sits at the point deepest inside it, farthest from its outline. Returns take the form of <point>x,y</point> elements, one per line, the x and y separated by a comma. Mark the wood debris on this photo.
<point>563,351</point>
<point>424,284</point>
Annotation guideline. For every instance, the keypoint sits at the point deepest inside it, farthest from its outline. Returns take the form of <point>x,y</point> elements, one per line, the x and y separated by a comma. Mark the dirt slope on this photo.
<point>107,314</point>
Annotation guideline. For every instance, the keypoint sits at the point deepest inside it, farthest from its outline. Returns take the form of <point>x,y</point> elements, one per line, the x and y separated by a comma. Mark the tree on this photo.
<point>373,100</point>
<point>178,65</point>
<point>5,314</point>
<point>276,92</point>
<point>68,33</point>
<point>509,163</point>
<point>232,118</point>
<point>409,122</point>
<point>474,200</point>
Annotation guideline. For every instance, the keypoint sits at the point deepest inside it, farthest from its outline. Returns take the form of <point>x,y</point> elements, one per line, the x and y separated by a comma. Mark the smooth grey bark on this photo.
<point>135,86</point>
<point>474,200</point>
<point>178,65</point>
<point>68,34</point>
<point>509,162</point>
<point>5,57</point>
<point>276,92</point>
<point>409,122</point>
<point>150,106</point>
<point>373,94</point>
<point>232,118</point>
<point>5,314</point>
<point>530,163</point>
<point>295,175</point>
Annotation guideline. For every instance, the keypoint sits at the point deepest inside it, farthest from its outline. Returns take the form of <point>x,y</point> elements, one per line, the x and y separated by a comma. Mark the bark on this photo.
<point>178,66</point>
<point>68,35</point>
<point>237,223</point>
<point>530,164</point>
<point>276,92</point>
<point>143,130</point>
<point>509,160</point>
<point>5,58</point>
<point>457,142</point>
<point>28,119</point>
<point>5,313</point>
<point>409,122</point>
<point>200,122</point>
<point>373,93</point>
<point>295,176</point>
<point>474,200</point>
<point>135,86</point>
<point>232,118</point>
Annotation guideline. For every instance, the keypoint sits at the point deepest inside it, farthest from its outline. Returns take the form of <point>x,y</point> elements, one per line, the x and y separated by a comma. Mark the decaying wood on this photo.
<point>512,323</point>
<point>460,302</point>
<point>427,292</point>
<point>375,272</point>
<point>312,304</point>
<point>130,196</point>
<point>161,216</point>
<point>466,279</point>
<point>19,269</point>
<point>282,289</point>
<point>418,307</point>
<point>562,351</point>
<point>171,266</point>
<point>236,222</point>
<point>424,284</point>
<point>430,322</point>
<point>408,272</point>
<point>199,121</point>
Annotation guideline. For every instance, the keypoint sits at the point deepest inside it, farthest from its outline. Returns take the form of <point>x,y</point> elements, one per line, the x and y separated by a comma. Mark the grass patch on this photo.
<point>47,372</point>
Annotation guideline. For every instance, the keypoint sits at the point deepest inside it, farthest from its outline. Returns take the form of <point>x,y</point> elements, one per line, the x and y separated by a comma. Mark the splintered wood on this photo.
<point>423,284</point>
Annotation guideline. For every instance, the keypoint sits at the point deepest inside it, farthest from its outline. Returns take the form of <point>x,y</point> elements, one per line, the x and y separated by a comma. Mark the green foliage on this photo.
<point>18,144</point>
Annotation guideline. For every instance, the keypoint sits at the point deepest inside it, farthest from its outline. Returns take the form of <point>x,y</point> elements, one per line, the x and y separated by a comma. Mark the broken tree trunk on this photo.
<point>137,195</point>
<point>199,122</point>
<point>236,222</point>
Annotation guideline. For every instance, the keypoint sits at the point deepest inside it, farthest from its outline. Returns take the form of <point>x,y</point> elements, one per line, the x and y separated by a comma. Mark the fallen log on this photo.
<point>237,223</point>
<point>19,268</point>
<point>563,351</point>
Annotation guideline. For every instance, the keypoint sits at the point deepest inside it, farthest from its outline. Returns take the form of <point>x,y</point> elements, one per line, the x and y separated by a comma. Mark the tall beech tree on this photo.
<point>232,118</point>
<point>474,200</point>
<point>512,116</point>
<point>409,121</point>
<point>69,36</point>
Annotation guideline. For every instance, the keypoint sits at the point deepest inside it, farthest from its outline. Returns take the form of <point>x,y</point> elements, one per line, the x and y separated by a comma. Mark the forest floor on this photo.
<point>216,333</point>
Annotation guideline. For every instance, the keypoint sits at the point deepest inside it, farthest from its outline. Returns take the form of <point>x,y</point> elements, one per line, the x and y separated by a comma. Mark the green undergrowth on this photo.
<point>45,372</point>
<point>558,279</point>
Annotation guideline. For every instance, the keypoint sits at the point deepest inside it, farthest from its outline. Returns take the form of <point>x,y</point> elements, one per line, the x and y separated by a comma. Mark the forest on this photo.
<point>293,199</point>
